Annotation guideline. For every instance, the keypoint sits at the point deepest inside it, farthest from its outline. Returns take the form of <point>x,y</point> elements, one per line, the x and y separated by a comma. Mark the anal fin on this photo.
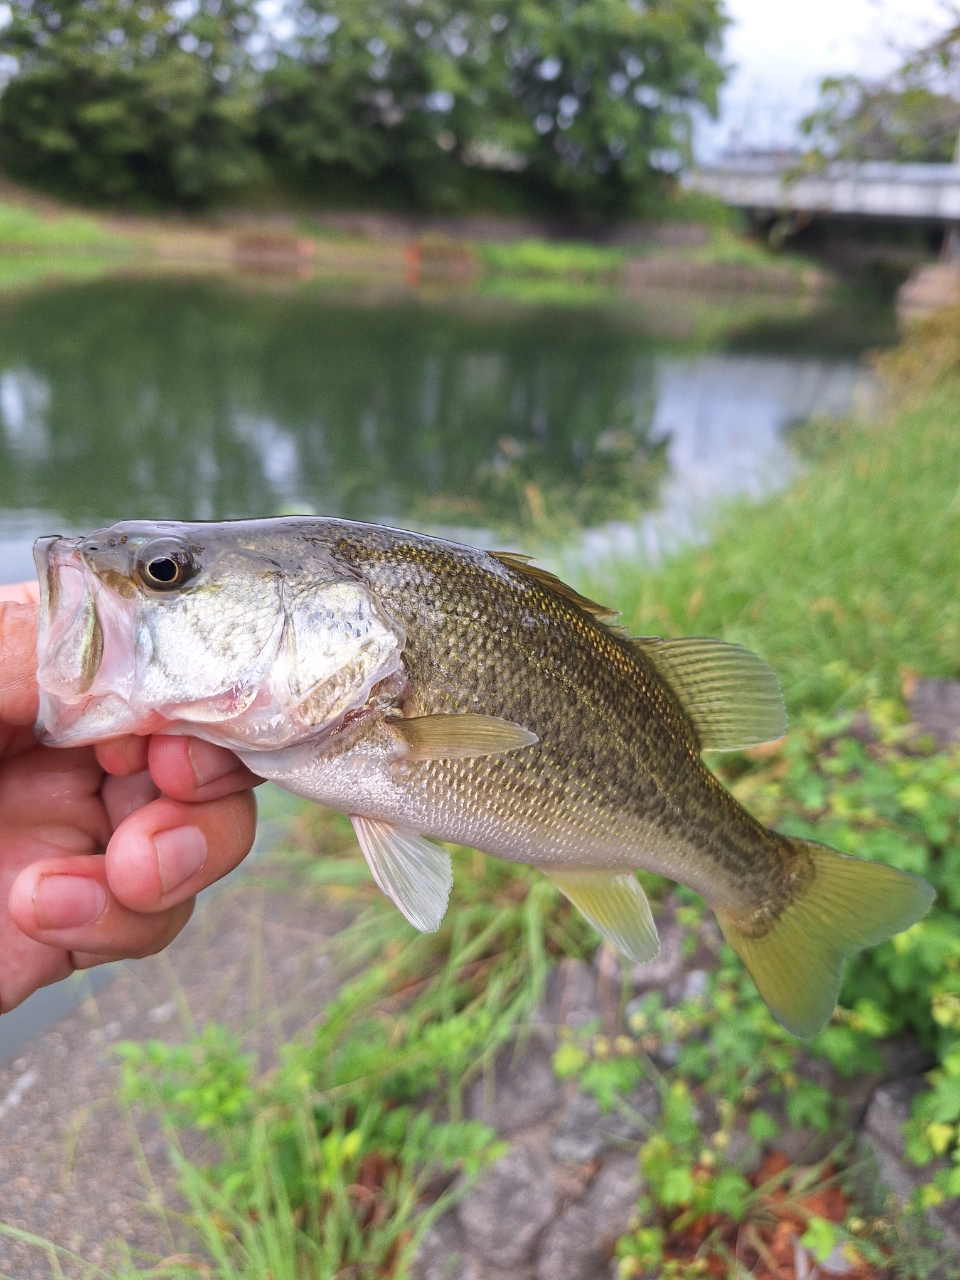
<point>415,873</point>
<point>615,905</point>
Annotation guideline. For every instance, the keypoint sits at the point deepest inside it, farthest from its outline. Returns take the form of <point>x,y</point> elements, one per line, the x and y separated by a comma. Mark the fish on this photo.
<point>439,693</point>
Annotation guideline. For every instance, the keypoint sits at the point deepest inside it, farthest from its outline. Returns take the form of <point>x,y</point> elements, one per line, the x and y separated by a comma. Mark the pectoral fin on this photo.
<point>615,905</point>
<point>460,737</point>
<point>413,872</point>
<point>731,696</point>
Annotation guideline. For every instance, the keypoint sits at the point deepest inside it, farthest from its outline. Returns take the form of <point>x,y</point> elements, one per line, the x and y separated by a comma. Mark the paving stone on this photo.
<point>584,1130</point>
<point>569,1250</point>
<point>613,1195</point>
<point>443,1255</point>
<point>580,1243</point>
<point>504,1215</point>
<point>525,1091</point>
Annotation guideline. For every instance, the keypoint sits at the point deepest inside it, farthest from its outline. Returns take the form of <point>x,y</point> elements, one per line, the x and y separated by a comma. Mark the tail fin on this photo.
<point>847,904</point>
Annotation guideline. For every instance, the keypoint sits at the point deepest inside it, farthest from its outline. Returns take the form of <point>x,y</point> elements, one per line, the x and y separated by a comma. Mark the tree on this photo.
<point>149,103</point>
<point>913,115</point>
<point>582,107</point>
<point>576,106</point>
<point>602,93</point>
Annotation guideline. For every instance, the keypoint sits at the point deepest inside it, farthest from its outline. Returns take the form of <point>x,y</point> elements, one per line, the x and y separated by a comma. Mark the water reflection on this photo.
<point>724,420</point>
<point>193,400</point>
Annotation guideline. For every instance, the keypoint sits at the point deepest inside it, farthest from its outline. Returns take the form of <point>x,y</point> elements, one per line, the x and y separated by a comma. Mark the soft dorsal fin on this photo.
<point>413,872</point>
<point>732,697</point>
<point>615,905</point>
<point>460,737</point>
<point>521,564</point>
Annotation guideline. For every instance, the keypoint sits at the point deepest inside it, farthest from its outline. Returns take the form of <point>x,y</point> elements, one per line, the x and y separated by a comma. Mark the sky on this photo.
<point>782,49</point>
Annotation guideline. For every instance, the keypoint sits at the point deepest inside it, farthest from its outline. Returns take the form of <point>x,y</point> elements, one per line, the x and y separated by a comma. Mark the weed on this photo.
<point>336,1161</point>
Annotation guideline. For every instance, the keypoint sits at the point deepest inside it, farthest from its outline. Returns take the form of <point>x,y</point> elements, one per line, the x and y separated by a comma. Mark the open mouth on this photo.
<point>70,639</point>
<point>84,651</point>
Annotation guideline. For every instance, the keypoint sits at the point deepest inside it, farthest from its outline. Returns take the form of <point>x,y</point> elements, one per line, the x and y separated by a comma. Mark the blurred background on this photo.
<point>478,269</point>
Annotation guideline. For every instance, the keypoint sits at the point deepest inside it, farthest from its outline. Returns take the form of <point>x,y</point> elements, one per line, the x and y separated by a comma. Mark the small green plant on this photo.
<point>893,798</point>
<point>345,1151</point>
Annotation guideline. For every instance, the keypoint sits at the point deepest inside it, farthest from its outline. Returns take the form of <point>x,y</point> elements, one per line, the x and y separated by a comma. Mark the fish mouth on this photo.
<point>70,639</point>
<point>84,650</point>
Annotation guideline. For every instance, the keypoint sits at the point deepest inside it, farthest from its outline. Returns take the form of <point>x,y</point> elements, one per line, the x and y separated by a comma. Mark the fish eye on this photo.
<point>165,565</point>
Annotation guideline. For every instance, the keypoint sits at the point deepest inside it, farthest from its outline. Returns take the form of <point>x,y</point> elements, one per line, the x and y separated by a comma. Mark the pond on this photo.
<point>495,422</point>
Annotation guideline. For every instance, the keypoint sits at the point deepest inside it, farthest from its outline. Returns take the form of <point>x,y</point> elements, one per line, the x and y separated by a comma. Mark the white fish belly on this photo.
<point>373,787</point>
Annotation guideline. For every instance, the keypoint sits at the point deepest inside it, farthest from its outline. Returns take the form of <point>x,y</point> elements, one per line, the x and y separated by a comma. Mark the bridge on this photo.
<point>771,186</point>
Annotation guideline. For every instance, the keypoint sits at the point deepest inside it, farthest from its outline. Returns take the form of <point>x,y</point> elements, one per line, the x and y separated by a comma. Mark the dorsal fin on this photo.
<point>732,697</point>
<point>521,564</point>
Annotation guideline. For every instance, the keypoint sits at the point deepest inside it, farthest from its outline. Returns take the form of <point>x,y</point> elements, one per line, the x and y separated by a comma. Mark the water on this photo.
<point>197,400</point>
<point>504,425</point>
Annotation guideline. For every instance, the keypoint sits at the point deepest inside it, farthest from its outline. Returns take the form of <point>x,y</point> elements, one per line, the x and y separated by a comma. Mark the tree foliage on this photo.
<point>913,115</point>
<point>153,103</point>
<point>585,104</point>
<point>579,107</point>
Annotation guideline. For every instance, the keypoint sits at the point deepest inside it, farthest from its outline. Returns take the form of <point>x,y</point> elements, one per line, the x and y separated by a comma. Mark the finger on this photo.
<point>123,796</point>
<point>21,592</point>
<point>123,756</point>
<point>169,851</point>
<point>53,787</point>
<point>19,697</point>
<point>188,769</point>
<point>66,903</point>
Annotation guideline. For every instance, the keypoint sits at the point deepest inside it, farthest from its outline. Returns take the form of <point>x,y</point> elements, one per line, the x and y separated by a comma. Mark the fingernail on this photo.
<point>210,762</point>
<point>181,852</point>
<point>67,902</point>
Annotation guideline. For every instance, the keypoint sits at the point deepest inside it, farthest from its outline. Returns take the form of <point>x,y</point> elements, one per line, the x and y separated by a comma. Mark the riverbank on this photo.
<point>849,577</point>
<point>40,239</point>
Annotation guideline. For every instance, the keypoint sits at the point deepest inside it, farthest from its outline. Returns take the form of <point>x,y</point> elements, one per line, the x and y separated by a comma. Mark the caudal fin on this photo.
<point>846,905</point>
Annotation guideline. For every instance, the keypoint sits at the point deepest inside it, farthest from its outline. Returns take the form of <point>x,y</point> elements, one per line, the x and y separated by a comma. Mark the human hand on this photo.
<point>102,850</point>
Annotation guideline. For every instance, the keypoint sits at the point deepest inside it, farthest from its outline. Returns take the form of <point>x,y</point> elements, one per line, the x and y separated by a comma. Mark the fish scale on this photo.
<point>637,786</point>
<point>437,692</point>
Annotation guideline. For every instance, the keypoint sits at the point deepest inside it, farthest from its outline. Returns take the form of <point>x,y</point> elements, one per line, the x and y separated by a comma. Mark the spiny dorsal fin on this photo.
<point>615,905</point>
<point>414,872</point>
<point>731,696</point>
<point>521,564</point>
<point>460,737</point>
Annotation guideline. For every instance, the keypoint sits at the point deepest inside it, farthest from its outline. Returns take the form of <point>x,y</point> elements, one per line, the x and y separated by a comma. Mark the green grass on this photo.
<point>850,576</point>
<point>546,259</point>
<point>24,228</point>
<point>598,264</point>
<point>37,249</point>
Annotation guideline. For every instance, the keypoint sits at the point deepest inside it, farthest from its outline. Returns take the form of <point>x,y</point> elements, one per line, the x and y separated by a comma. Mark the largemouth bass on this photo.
<point>435,692</point>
